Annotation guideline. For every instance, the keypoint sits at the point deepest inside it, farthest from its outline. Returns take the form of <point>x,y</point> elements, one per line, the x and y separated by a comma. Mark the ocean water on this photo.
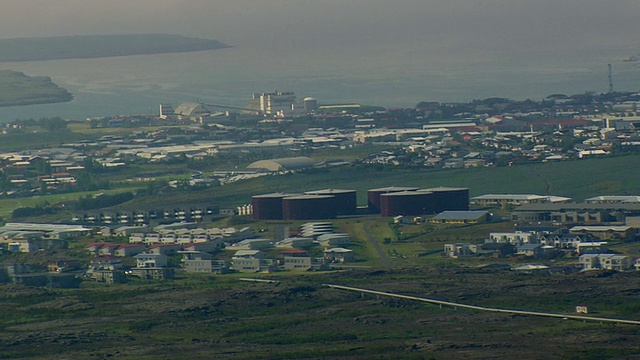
<point>391,78</point>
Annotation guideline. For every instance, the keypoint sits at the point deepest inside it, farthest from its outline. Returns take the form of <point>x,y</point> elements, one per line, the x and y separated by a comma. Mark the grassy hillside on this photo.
<point>576,179</point>
<point>16,88</point>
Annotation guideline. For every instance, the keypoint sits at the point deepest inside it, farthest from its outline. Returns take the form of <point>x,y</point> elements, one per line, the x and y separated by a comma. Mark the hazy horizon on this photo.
<point>498,27</point>
<point>442,50</point>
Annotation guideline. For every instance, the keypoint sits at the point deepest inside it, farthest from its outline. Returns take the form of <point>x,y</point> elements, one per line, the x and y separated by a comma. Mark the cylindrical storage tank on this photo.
<point>346,202</point>
<point>310,104</point>
<point>406,203</point>
<point>373,196</point>
<point>308,207</point>
<point>268,206</point>
<point>450,199</point>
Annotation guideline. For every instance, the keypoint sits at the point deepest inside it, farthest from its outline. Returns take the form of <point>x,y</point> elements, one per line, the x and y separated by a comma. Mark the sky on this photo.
<point>497,27</point>
<point>376,51</point>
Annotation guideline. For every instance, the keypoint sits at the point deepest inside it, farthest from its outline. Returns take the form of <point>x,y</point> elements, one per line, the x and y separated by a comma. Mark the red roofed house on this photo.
<point>98,247</point>
<point>129,249</point>
<point>165,249</point>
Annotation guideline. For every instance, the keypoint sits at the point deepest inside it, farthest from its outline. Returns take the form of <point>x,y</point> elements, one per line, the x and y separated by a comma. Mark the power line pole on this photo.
<point>610,80</point>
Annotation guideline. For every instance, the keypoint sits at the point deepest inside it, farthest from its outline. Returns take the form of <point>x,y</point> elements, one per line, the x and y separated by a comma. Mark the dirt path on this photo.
<point>385,259</point>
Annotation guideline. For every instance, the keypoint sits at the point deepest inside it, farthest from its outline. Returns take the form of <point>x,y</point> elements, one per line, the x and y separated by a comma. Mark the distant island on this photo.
<point>17,88</point>
<point>98,46</point>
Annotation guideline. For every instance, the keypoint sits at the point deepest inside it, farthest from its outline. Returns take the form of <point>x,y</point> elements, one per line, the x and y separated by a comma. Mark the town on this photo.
<point>194,148</point>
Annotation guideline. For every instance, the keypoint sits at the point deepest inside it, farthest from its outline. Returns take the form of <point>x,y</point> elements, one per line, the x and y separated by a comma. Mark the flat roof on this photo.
<point>273,195</point>
<point>460,215</point>
<point>308,197</point>
<point>619,198</point>
<point>444,188</point>
<point>408,193</point>
<point>329,191</point>
<point>600,228</point>
<point>509,197</point>
<point>578,206</point>
<point>394,188</point>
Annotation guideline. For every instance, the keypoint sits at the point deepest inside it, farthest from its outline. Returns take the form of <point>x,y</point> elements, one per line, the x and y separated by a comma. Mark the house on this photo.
<point>605,261</point>
<point>127,231</point>
<point>592,247</point>
<point>152,238</point>
<point>333,239</point>
<point>253,244</point>
<point>615,262</point>
<point>107,269</point>
<point>304,263</point>
<point>295,243</point>
<point>63,265</point>
<point>198,261</point>
<point>252,261</point>
<point>129,250</point>
<point>564,241</point>
<point>208,246</point>
<point>532,250</point>
<point>248,254</point>
<point>165,249</point>
<point>136,238</point>
<point>460,217</point>
<point>458,250</point>
<point>496,249</point>
<point>339,255</point>
<point>152,267</point>
<point>106,263</point>
<point>146,260</point>
<point>515,238</point>
<point>95,246</point>
<point>605,232</point>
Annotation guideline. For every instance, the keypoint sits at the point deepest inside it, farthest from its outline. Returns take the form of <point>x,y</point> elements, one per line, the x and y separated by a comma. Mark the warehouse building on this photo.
<point>373,196</point>
<point>407,203</point>
<point>268,206</point>
<point>308,207</point>
<point>449,198</point>
<point>346,202</point>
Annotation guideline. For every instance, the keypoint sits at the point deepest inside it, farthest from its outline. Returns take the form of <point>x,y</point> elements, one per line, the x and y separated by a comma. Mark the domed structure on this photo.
<point>189,109</point>
<point>310,104</point>
<point>284,164</point>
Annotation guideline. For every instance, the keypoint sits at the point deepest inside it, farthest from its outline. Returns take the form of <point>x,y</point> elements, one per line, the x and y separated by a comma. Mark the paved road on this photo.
<point>372,239</point>
<point>482,308</point>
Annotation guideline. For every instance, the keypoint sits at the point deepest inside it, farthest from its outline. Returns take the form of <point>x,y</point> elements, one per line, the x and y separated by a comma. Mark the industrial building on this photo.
<point>373,196</point>
<point>330,203</point>
<point>392,201</point>
<point>268,206</point>
<point>346,202</point>
<point>308,207</point>
<point>273,102</point>
<point>448,198</point>
<point>407,203</point>
<point>310,104</point>
<point>312,205</point>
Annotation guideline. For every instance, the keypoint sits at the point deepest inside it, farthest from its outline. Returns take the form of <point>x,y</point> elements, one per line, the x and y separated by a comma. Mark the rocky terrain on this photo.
<point>222,317</point>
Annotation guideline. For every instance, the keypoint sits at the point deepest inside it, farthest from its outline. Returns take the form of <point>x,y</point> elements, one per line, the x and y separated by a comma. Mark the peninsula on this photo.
<point>16,88</point>
<point>98,46</point>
